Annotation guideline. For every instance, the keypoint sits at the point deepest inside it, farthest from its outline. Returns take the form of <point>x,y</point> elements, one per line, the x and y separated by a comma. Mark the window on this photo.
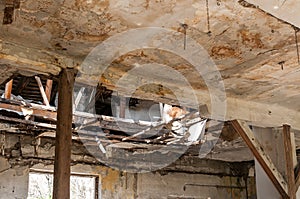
<point>41,186</point>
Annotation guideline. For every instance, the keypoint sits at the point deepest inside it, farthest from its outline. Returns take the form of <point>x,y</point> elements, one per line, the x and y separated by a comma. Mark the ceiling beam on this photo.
<point>34,60</point>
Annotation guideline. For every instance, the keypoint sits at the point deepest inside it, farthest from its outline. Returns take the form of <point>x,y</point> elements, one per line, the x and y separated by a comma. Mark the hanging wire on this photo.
<point>296,41</point>
<point>184,26</point>
<point>208,17</point>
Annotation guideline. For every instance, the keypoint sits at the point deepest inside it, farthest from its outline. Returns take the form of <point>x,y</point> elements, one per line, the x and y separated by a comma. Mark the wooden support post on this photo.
<point>289,160</point>
<point>48,89</point>
<point>8,89</point>
<point>61,186</point>
<point>39,82</point>
<point>122,107</point>
<point>265,161</point>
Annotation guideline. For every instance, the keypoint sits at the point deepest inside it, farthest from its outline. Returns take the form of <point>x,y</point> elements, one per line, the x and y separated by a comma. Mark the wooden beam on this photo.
<point>35,111</point>
<point>44,96</point>
<point>265,161</point>
<point>48,89</point>
<point>61,186</point>
<point>8,89</point>
<point>289,160</point>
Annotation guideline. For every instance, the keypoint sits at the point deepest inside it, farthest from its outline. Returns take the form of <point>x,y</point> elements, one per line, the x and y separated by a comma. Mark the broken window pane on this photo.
<point>41,186</point>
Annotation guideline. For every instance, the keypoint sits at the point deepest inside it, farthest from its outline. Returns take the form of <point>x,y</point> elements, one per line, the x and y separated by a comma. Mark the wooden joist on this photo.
<point>265,161</point>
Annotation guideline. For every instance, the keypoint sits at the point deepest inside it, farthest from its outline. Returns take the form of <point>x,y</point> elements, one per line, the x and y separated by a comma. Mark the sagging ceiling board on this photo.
<point>254,52</point>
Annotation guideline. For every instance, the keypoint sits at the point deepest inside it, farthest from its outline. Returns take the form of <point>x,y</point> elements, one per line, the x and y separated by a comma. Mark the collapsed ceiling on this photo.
<point>255,53</point>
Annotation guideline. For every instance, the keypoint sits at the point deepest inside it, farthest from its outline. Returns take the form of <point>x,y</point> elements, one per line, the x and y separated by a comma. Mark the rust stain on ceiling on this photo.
<point>245,43</point>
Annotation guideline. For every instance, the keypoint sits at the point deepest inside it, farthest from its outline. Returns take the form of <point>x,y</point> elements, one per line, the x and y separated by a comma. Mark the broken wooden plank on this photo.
<point>44,96</point>
<point>265,161</point>
<point>35,111</point>
<point>28,122</point>
<point>188,120</point>
<point>8,89</point>
<point>48,89</point>
<point>63,141</point>
<point>288,150</point>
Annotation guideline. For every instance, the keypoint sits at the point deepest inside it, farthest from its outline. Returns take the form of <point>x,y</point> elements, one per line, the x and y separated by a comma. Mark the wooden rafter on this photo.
<point>22,85</point>
<point>288,151</point>
<point>8,89</point>
<point>265,161</point>
<point>43,93</point>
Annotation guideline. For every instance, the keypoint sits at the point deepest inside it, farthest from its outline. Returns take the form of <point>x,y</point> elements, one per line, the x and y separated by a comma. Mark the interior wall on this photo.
<point>196,186</point>
<point>20,153</point>
<point>115,184</point>
<point>13,182</point>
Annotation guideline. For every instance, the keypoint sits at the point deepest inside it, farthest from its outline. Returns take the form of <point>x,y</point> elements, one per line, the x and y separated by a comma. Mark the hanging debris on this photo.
<point>208,18</point>
<point>281,64</point>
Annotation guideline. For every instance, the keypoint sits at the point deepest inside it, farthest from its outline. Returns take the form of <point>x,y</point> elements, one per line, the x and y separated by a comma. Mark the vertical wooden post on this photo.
<point>289,160</point>
<point>122,107</point>
<point>61,186</point>
<point>48,89</point>
<point>8,89</point>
